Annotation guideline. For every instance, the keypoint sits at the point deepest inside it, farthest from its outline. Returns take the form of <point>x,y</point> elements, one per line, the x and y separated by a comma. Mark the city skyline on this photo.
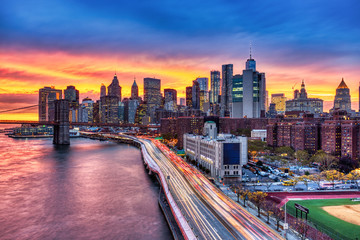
<point>61,44</point>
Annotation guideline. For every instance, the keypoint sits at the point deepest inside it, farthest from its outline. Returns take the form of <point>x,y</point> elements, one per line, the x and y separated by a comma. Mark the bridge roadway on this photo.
<point>210,213</point>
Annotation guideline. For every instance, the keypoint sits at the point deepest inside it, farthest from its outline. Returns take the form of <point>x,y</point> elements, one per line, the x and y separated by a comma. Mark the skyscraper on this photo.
<point>279,100</point>
<point>182,101</point>
<point>152,95</point>
<point>249,93</point>
<point>215,87</point>
<point>109,109</point>
<point>47,96</point>
<point>114,89</point>
<point>86,110</point>
<point>226,90</point>
<point>102,90</point>
<point>203,84</point>
<point>134,91</point>
<point>72,95</point>
<point>196,95</point>
<point>189,97</point>
<point>170,96</point>
<point>342,99</point>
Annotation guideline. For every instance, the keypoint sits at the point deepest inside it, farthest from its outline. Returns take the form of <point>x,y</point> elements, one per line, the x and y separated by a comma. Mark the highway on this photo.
<point>210,213</point>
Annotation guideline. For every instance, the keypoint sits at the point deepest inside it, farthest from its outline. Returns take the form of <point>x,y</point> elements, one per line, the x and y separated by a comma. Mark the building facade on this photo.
<point>114,89</point>
<point>223,156</point>
<point>47,97</point>
<point>302,103</point>
<point>342,99</point>
<point>152,95</point>
<point>215,87</point>
<point>280,102</point>
<point>249,93</point>
<point>226,90</point>
<point>134,91</point>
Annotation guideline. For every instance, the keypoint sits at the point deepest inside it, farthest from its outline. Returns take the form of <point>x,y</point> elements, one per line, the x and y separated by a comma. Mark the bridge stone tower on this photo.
<point>61,126</point>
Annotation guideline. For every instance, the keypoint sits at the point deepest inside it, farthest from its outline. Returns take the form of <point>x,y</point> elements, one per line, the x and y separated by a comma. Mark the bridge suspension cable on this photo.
<point>15,109</point>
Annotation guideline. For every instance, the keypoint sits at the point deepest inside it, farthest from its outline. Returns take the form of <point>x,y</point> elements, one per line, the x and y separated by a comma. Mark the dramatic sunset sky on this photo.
<point>61,42</point>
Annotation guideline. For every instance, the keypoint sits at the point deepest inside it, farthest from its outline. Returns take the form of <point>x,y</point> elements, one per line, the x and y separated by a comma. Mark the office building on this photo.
<point>109,109</point>
<point>114,89</point>
<point>86,110</point>
<point>132,107</point>
<point>215,87</point>
<point>102,90</point>
<point>342,99</point>
<point>170,96</point>
<point>223,156</point>
<point>301,103</point>
<point>249,93</point>
<point>134,91</point>
<point>47,96</point>
<point>72,95</point>
<point>152,95</point>
<point>280,102</point>
<point>182,102</point>
<point>189,97</point>
<point>259,134</point>
<point>196,95</point>
<point>226,90</point>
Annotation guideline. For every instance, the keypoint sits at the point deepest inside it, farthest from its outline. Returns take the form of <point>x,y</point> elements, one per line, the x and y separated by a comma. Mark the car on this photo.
<point>299,189</point>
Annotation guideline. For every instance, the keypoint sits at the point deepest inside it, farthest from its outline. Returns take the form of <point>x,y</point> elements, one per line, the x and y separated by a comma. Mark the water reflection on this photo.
<point>88,190</point>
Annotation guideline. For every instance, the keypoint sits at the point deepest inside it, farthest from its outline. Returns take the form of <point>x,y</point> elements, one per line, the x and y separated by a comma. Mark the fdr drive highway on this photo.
<point>209,213</point>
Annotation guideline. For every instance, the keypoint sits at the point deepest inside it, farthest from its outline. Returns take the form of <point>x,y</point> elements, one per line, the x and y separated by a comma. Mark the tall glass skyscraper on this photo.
<point>226,90</point>
<point>215,86</point>
<point>249,93</point>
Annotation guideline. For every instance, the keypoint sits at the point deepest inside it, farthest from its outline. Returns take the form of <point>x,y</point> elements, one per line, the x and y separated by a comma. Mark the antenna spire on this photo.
<point>250,50</point>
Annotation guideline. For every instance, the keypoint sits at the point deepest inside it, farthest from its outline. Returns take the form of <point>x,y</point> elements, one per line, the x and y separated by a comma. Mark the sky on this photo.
<point>82,43</point>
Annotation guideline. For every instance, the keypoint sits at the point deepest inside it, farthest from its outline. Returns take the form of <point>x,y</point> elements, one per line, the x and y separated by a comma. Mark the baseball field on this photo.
<point>339,218</point>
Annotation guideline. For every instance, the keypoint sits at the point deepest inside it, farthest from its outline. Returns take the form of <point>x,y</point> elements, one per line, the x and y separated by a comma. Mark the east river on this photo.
<point>89,190</point>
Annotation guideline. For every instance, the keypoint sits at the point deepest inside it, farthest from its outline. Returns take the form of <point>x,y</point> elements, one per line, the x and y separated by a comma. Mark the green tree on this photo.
<point>257,146</point>
<point>285,150</point>
<point>303,157</point>
<point>326,160</point>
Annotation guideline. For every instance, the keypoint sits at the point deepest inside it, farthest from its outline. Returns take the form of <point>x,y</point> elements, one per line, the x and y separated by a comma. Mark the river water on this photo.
<point>89,190</point>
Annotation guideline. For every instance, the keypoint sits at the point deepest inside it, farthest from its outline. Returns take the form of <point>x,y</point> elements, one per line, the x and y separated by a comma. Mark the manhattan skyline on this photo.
<point>83,43</point>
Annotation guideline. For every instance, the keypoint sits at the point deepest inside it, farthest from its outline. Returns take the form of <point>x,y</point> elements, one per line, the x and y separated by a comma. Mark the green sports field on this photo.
<point>334,227</point>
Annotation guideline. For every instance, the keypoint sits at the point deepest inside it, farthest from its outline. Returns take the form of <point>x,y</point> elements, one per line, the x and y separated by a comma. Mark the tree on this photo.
<point>332,176</point>
<point>244,194</point>
<point>301,227</point>
<point>326,161</point>
<point>268,206</point>
<point>278,214</point>
<point>258,199</point>
<point>285,150</point>
<point>303,157</point>
<point>354,175</point>
<point>257,146</point>
<point>346,164</point>
<point>317,178</point>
